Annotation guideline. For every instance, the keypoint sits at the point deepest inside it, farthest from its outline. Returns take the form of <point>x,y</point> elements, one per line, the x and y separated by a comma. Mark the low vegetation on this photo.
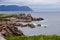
<point>2,16</point>
<point>40,37</point>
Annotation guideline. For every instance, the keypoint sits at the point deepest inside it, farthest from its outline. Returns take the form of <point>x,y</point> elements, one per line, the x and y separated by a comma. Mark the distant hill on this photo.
<point>14,8</point>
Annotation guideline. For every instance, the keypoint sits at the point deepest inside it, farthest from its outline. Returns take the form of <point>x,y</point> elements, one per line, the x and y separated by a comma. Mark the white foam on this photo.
<point>43,25</point>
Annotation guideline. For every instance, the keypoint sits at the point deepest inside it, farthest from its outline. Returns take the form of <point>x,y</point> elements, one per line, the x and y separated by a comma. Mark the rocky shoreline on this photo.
<point>8,26</point>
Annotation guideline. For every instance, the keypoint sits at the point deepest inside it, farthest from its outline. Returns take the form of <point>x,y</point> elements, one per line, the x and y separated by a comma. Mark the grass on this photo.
<point>7,15</point>
<point>2,16</point>
<point>40,37</point>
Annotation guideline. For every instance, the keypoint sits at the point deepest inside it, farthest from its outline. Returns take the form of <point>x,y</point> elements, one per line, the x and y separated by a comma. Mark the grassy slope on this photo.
<point>2,16</point>
<point>7,15</point>
<point>40,37</point>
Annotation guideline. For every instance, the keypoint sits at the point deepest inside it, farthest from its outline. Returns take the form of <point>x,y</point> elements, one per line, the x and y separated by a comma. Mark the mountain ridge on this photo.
<point>14,8</point>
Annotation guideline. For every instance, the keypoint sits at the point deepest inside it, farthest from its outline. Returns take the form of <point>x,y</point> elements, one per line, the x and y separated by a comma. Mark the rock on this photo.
<point>23,18</point>
<point>6,19</point>
<point>31,25</point>
<point>15,31</point>
<point>38,24</point>
<point>19,24</point>
<point>10,30</point>
<point>37,19</point>
<point>27,18</point>
<point>27,25</point>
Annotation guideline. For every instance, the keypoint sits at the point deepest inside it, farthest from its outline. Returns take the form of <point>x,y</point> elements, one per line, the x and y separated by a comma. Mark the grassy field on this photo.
<point>7,15</point>
<point>40,37</point>
<point>2,16</point>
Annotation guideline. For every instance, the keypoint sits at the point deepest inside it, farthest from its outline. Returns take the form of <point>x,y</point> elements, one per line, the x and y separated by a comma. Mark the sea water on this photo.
<point>51,21</point>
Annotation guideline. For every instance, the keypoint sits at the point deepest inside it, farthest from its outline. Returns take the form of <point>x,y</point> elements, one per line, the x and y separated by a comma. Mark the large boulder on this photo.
<point>37,19</point>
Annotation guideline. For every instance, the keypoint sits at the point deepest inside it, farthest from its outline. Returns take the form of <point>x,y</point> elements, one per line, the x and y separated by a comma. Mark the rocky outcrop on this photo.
<point>27,25</point>
<point>23,18</point>
<point>9,30</point>
<point>8,26</point>
<point>37,19</point>
<point>28,18</point>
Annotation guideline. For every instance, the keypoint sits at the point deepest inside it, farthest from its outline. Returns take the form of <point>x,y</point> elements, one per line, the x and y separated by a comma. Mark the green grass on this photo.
<point>2,16</point>
<point>40,37</point>
<point>7,15</point>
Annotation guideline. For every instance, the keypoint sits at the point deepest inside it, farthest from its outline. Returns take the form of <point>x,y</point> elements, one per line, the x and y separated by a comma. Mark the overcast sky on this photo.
<point>30,2</point>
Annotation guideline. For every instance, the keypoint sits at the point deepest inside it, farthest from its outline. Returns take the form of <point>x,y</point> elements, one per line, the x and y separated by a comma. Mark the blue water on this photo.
<point>52,21</point>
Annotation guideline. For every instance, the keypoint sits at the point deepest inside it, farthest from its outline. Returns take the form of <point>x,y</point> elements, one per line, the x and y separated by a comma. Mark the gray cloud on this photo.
<point>30,2</point>
<point>2,1</point>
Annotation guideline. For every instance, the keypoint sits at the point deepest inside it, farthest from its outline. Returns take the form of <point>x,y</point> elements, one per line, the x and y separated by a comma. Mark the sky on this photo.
<point>35,4</point>
<point>30,2</point>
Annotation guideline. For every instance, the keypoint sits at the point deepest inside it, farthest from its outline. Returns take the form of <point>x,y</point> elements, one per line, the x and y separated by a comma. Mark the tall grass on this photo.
<point>40,37</point>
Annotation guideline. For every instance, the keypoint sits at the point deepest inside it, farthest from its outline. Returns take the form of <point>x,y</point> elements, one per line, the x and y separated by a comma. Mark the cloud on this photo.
<point>31,1</point>
<point>43,1</point>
